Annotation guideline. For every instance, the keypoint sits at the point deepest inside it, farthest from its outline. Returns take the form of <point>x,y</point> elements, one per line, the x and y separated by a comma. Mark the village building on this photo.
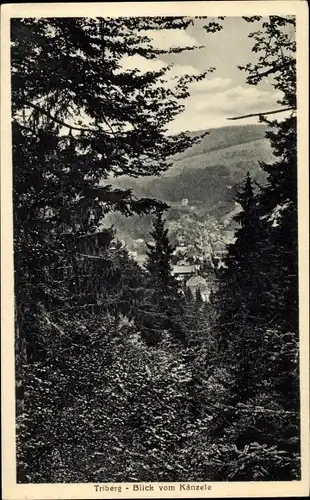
<point>219,249</point>
<point>184,202</point>
<point>228,236</point>
<point>198,283</point>
<point>183,273</point>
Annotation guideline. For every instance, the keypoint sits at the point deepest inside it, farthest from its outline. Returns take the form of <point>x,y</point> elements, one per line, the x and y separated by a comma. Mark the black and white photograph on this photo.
<point>155,238</point>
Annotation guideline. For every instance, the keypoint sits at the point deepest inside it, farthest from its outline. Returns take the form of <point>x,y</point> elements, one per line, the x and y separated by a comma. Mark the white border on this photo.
<point>13,491</point>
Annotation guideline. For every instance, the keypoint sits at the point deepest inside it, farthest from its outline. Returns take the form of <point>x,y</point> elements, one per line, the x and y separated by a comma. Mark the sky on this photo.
<point>223,93</point>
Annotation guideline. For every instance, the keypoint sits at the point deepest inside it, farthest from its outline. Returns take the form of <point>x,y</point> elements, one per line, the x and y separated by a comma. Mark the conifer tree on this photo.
<point>278,198</point>
<point>188,294</point>
<point>162,310</point>
<point>198,297</point>
<point>79,119</point>
<point>159,254</point>
<point>240,278</point>
<point>125,280</point>
<point>276,44</point>
<point>241,282</point>
<point>267,356</point>
<point>278,202</point>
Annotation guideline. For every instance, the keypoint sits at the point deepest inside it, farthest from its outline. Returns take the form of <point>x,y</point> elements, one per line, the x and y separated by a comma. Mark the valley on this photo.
<point>201,183</point>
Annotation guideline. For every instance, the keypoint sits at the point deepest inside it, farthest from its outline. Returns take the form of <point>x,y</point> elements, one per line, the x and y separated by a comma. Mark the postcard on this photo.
<point>155,244</point>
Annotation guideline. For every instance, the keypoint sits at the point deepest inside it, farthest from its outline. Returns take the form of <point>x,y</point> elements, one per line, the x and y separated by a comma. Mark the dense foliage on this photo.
<point>122,373</point>
<point>257,301</point>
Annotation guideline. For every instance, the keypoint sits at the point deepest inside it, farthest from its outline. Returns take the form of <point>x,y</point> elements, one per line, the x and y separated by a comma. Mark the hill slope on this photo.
<point>207,174</point>
<point>220,159</point>
<point>222,138</point>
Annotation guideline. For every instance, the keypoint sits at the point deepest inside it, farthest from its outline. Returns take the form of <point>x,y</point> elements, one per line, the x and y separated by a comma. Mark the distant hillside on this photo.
<point>223,137</point>
<point>226,154</point>
<point>207,174</point>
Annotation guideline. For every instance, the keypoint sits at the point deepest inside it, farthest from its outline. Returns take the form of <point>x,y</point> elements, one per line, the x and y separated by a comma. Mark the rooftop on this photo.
<point>183,269</point>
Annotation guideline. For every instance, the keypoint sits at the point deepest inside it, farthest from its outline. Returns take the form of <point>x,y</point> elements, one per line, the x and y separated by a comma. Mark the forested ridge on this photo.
<point>121,373</point>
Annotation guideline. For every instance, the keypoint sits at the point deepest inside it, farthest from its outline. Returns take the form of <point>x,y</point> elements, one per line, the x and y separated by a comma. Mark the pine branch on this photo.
<point>67,125</point>
<point>271,70</point>
<point>262,113</point>
<point>56,120</point>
